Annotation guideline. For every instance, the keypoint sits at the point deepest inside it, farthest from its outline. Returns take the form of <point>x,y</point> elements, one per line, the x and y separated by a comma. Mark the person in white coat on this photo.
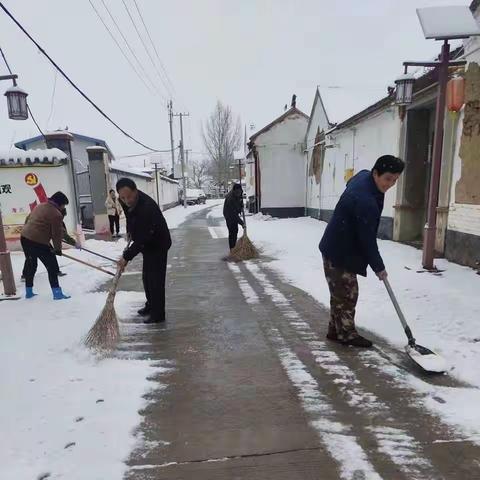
<point>114,210</point>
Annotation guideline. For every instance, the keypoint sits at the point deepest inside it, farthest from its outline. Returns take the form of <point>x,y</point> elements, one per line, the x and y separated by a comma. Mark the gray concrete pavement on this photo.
<point>254,392</point>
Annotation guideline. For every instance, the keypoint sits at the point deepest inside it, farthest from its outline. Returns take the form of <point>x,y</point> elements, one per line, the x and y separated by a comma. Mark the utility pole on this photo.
<point>6,264</point>
<point>182,157</point>
<point>156,183</point>
<point>186,162</point>
<point>170,121</point>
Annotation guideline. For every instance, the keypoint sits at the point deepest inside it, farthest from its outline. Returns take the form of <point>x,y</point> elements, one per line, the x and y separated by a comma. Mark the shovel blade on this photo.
<point>427,360</point>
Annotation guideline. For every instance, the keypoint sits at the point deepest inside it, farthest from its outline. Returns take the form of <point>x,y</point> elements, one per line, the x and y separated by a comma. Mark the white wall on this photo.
<point>282,163</point>
<point>358,147</point>
<point>15,206</point>
<point>250,177</point>
<point>144,184</point>
<point>168,192</point>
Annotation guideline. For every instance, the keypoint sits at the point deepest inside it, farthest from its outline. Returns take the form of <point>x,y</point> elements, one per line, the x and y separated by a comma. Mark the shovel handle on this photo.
<point>400,314</point>
<point>98,255</point>
<point>88,264</point>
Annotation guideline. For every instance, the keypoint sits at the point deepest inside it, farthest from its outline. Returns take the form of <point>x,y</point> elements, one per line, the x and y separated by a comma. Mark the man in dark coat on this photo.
<point>349,245</point>
<point>149,235</point>
<point>232,208</point>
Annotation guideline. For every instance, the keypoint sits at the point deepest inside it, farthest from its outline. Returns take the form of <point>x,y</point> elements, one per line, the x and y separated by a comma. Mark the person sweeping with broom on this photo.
<point>232,209</point>
<point>44,225</point>
<point>66,239</point>
<point>149,235</point>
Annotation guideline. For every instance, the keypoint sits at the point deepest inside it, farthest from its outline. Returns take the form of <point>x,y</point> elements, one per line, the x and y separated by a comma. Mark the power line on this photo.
<point>94,105</point>
<point>36,124</point>
<point>52,99</point>
<point>145,153</point>
<point>154,47</point>
<point>127,43</point>
<point>119,47</point>
<point>145,47</point>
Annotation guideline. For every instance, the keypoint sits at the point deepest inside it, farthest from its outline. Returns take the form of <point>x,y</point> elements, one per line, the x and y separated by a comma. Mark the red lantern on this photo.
<point>455,94</point>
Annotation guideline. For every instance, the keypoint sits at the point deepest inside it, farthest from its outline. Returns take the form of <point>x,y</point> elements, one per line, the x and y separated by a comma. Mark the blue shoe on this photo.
<point>29,292</point>
<point>58,294</point>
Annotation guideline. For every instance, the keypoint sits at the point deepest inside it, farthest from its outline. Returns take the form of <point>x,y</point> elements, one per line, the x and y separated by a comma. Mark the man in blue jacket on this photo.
<point>349,245</point>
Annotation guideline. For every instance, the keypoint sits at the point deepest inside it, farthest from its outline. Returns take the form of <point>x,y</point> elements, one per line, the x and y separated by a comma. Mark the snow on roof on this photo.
<point>41,156</point>
<point>130,170</point>
<point>447,22</point>
<point>16,89</point>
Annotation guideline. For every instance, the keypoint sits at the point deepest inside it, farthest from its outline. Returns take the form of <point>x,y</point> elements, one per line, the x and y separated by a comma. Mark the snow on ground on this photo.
<point>442,310</point>
<point>177,215</point>
<point>64,411</point>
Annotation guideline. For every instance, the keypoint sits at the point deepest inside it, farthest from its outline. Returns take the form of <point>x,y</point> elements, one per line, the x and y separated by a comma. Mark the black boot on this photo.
<point>144,311</point>
<point>152,319</point>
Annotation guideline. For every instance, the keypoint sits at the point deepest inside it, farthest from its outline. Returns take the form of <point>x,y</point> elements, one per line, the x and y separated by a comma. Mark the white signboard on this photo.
<point>24,187</point>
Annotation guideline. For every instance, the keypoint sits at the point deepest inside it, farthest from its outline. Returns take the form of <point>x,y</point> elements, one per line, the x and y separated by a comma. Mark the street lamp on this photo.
<point>404,90</point>
<point>17,103</point>
<point>439,23</point>
<point>17,110</point>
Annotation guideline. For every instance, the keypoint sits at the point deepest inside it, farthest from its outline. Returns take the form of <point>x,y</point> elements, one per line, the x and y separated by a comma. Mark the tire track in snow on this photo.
<point>403,450</point>
<point>248,292</point>
<point>339,441</point>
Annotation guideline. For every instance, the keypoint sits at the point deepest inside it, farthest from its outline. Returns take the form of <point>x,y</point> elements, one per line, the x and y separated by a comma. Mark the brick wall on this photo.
<point>464,218</point>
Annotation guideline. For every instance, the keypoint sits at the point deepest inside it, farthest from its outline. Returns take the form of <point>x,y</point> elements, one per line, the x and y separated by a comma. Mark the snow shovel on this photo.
<point>427,360</point>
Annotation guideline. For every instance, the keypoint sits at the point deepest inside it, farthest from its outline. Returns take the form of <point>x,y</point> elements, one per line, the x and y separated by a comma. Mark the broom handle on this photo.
<point>88,264</point>
<point>97,254</point>
<point>244,220</point>
<point>115,281</point>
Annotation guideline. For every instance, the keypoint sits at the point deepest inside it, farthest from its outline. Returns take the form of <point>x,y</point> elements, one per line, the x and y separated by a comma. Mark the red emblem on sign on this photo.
<point>31,179</point>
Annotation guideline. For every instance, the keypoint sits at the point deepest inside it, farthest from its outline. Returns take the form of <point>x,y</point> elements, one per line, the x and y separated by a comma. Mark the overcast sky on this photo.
<point>251,55</point>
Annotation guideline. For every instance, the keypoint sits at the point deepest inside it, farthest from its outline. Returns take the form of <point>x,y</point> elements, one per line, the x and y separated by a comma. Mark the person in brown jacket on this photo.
<point>44,225</point>
<point>66,239</point>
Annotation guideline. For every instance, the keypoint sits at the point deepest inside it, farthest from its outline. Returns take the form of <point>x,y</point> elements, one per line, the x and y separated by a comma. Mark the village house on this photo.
<point>275,176</point>
<point>462,136</point>
<point>95,172</point>
<point>335,154</point>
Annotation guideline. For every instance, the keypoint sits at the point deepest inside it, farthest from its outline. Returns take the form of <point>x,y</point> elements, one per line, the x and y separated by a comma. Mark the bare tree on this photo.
<point>200,170</point>
<point>222,137</point>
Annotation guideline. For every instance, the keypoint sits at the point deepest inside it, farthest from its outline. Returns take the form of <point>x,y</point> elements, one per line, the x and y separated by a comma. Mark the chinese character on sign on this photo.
<point>6,188</point>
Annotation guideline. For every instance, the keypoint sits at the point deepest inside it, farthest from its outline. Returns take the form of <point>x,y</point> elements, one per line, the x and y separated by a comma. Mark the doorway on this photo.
<point>418,162</point>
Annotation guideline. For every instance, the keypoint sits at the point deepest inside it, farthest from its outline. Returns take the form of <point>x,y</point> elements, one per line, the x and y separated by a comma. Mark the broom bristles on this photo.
<point>105,332</point>
<point>244,250</point>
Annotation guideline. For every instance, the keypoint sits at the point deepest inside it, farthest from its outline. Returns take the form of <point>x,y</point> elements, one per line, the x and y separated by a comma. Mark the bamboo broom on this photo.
<point>244,249</point>
<point>105,332</point>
